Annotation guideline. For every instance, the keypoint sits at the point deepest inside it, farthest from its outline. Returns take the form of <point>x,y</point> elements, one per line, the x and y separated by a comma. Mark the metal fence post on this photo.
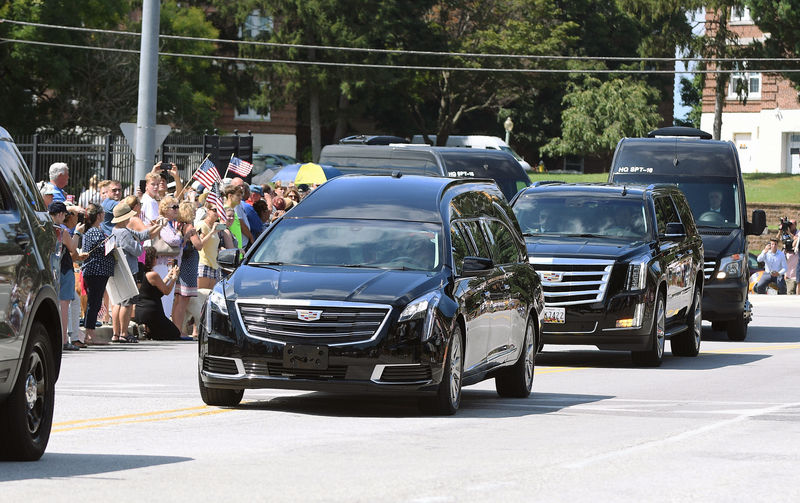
<point>34,155</point>
<point>108,157</point>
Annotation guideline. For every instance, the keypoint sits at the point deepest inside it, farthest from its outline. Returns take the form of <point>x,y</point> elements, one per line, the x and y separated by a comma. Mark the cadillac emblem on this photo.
<point>552,277</point>
<point>306,315</point>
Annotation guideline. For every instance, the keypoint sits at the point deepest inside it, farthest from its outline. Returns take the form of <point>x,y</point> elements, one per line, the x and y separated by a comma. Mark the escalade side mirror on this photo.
<point>675,230</point>
<point>476,265</point>
<point>229,259</point>
<point>759,223</point>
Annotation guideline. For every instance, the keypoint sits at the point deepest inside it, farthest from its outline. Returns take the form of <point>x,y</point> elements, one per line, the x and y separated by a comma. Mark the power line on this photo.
<point>389,67</point>
<point>402,51</point>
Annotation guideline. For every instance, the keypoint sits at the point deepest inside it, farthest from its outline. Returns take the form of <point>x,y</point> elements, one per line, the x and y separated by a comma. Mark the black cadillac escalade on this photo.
<point>378,283</point>
<point>621,266</point>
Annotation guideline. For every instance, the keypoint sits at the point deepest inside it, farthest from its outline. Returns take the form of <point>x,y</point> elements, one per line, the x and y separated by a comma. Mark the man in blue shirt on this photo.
<point>253,221</point>
<point>113,196</point>
<point>59,177</point>
<point>774,267</point>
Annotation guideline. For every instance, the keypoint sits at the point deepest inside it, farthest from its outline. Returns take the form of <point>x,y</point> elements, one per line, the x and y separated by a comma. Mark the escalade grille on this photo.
<point>261,367</point>
<point>335,324</point>
<point>219,365</point>
<point>709,266</point>
<point>571,281</point>
<point>406,373</point>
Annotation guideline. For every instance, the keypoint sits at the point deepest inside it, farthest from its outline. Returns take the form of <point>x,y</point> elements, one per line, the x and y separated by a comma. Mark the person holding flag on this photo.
<point>207,174</point>
<point>208,270</point>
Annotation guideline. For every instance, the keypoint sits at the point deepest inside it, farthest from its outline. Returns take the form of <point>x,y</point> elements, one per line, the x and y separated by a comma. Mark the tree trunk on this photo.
<point>341,117</point>
<point>314,123</point>
<point>721,79</point>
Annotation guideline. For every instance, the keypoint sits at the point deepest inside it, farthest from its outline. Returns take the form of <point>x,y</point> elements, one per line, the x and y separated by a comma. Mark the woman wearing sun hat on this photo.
<point>130,242</point>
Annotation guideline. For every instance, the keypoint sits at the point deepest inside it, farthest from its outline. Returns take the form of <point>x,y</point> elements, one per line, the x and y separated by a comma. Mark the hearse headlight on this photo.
<point>730,267</point>
<point>217,319</point>
<point>637,274</point>
<point>422,308</point>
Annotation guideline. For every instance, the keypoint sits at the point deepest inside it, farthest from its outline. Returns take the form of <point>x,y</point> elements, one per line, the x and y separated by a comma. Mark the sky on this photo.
<point>678,110</point>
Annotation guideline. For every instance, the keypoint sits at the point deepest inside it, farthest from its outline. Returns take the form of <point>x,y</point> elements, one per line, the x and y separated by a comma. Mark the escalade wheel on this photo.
<point>688,343</point>
<point>517,381</point>
<point>737,329</point>
<point>652,357</point>
<point>220,397</point>
<point>448,396</point>
<point>27,415</point>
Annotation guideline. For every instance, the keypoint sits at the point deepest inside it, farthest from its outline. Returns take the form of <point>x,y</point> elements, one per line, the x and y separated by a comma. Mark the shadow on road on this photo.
<point>759,334</point>
<point>474,403</point>
<point>54,465</point>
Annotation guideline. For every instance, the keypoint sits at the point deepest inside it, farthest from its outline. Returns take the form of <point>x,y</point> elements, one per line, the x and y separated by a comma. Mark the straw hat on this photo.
<point>122,212</point>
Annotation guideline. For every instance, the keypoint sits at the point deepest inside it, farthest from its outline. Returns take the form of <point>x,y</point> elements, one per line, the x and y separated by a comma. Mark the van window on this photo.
<point>658,157</point>
<point>508,174</point>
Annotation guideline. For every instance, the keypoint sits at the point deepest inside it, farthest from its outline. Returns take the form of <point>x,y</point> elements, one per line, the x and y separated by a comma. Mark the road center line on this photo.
<point>129,416</point>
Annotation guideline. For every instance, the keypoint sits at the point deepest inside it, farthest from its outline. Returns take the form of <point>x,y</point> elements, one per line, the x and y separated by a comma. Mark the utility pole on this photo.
<point>148,88</point>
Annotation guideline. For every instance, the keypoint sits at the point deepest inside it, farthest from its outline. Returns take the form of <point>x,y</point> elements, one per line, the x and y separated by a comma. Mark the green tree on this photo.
<point>598,114</point>
<point>779,18</point>
<point>692,96</point>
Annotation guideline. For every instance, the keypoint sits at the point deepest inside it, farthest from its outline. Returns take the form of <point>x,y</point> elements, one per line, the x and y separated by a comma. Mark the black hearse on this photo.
<point>621,267</point>
<point>378,283</point>
<point>708,173</point>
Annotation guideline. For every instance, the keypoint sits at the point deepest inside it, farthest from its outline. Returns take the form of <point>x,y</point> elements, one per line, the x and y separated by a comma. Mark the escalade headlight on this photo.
<point>637,274</point>
<point>730,267</point>
<point>423,307</point>
<point>217,319</point>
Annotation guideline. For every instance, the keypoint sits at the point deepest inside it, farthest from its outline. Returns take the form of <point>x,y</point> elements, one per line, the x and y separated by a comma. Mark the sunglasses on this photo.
<point>175,207</point>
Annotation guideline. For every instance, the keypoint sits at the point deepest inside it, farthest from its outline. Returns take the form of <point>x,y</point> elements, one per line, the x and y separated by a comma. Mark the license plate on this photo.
<point>554,314</point>
<point>298,356</point>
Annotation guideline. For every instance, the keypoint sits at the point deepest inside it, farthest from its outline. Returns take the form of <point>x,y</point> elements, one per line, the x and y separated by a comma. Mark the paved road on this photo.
<point>724,426</point>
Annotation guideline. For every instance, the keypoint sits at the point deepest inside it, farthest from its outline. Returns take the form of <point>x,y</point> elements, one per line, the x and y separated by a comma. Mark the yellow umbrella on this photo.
<point>307,173</point>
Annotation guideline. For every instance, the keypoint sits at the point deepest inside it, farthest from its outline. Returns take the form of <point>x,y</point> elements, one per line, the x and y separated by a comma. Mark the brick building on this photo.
<point>765,129</point>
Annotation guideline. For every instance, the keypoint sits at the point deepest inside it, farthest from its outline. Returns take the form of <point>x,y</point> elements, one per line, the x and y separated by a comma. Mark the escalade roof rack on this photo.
<point>679,131</point>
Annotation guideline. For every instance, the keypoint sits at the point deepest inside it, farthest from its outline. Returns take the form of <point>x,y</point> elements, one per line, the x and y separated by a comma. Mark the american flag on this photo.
<point>240,167</point>
<point>207,174</point>
<point>215,198</point>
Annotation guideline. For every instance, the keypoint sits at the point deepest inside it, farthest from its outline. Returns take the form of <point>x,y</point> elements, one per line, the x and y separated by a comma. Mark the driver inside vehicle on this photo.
<point>715,201</point>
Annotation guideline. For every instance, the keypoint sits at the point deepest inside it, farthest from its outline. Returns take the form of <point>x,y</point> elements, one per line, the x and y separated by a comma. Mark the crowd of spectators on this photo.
<point>169,237</point>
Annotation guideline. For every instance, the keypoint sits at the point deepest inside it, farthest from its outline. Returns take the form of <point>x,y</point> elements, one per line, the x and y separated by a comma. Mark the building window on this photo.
<point>245,112</point>
<point>747,85</point>
<point>741,15</point>
<point>255,26</point>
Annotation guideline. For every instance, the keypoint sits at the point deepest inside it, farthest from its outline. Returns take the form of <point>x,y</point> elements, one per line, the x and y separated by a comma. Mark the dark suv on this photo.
<point>30,330</point>
<point>621,266</point>
<point>378,283</point>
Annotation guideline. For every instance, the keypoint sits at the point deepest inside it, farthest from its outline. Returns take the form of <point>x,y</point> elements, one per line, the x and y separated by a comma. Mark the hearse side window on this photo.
<point>6,202</point>
<point>686,214</point>
<point>476,235</point>
<point>459,247</point>
<point>501,242</point>
<point>665,213</point>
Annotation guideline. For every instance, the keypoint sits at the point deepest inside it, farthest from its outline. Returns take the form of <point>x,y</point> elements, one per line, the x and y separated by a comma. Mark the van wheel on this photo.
<point>652,357</point>
<point>688,343</point>
<point>737,329</point>
<point>219,397</point>
<point>448,396</point>
<point>27,415</point>
<point>517,380</point>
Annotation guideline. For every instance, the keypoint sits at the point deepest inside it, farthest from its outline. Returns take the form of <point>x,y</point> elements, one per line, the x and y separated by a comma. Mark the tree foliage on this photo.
<point>598,114</point>
<point>779,18</point>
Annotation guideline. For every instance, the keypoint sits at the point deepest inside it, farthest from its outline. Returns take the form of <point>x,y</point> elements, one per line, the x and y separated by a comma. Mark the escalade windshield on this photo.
<point>384,244</point>
<point>714,201</point>
<point>582,215</point>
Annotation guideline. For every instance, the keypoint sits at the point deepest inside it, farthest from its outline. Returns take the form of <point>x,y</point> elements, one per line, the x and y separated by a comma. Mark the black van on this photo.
<point>410,159</point>
<point>376,283</point>
<point>709,174</point>
<point>30,327</point>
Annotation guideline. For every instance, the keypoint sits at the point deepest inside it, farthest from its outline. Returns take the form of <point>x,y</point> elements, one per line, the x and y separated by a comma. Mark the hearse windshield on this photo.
<point>382,244</point>
<point>715,201</point>
<point>582,215</point>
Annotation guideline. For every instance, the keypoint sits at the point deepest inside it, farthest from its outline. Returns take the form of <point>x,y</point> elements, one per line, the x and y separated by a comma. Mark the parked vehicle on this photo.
<point>432,161</point>
<point>30,327</point>
<point>415,284</point>
<point>621,267</point>
<point>699,166</point>
<point>476,141</point>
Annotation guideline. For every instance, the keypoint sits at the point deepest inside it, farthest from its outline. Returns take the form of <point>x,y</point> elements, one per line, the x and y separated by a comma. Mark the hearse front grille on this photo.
<point>339,323</point>
<point>405,373</point>
<point>219,365</point>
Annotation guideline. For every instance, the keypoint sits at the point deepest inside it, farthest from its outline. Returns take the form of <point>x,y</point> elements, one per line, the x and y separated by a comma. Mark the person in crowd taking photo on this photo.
<point>149,200</point>
<point>190,260</point>
<point>208,269</point>
<point>74,333</point>
<point>169,242</point>
<point>113,196</point>
<point>59,177</point>
<point>774,267</point>
<point>97,269</point>
<point>66,253</point>
<point>149,309</point>
<point>129,241</point>
<point>234,193</point>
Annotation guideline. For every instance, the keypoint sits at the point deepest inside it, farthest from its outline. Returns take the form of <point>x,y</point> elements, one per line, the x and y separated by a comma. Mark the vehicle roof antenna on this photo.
<point>624,190</point>
<point>675,160</point>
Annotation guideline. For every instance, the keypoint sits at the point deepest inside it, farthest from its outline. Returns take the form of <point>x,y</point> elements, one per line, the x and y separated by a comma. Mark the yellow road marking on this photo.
<point>148,420</point>
<point>128,416</point>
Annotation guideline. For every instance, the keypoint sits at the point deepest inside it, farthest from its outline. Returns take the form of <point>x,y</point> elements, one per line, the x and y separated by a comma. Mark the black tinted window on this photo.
<point>501,242</point>
<point>367,165</point>
<point>504,170</point>
<point>644,158</point>
<point>685,213</point>
<point>473,229</point>
<point>460,248</point>
<point>665,213</point>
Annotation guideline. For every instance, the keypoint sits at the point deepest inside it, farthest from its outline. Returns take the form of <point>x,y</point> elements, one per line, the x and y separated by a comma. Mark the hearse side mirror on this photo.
<point>476,265</point>
<point>675,230</point>
<point>759,223</point>
<point>229,259</point>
